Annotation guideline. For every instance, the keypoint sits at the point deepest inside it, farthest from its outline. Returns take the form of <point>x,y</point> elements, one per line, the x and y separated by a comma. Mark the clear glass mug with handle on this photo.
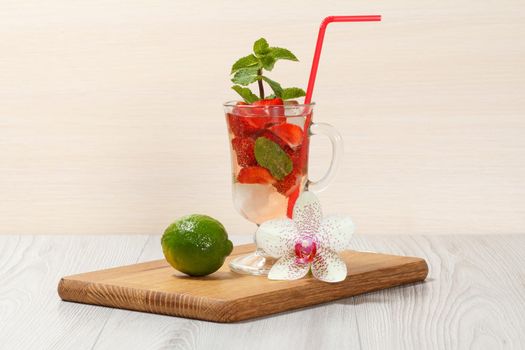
<point>269,154</point>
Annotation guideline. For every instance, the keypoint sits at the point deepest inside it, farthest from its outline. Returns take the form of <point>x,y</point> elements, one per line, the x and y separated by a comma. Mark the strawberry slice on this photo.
<point>270,107</point>
<point>299,158</point>
<point>269,102</point>
<point>243,126</point>
<point>287,185</point>
<point>272,137</point>
<point>255,175</point>
<point>244,148</point>
<point>290,133</point>
<point>247,119</point>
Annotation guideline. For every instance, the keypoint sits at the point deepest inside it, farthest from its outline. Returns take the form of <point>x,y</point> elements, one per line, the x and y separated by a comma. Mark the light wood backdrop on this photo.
<point>111,117</point>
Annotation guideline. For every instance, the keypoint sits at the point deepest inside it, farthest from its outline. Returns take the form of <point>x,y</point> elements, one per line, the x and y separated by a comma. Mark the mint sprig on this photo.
<point>275,86</point>
<point>278,53</point>
<point>249,69</point>
<point>245,76</point>
<point>245,93</point>
<point>245,62</point>
<point>291,93</point>
<point>261,47</point>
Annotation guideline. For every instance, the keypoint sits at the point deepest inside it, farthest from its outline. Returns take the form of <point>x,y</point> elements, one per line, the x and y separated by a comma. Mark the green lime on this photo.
<point>196,245</point>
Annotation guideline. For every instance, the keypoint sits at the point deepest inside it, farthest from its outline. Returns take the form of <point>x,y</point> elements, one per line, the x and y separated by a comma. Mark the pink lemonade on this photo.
<point>269,152</point>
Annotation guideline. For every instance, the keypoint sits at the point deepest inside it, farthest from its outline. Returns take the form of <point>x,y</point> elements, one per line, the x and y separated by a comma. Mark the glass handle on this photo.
<point>337,152</point>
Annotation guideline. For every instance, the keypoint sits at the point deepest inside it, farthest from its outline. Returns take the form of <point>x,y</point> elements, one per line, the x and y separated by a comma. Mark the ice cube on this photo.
<point>293,111</point>
<point>259,203</point>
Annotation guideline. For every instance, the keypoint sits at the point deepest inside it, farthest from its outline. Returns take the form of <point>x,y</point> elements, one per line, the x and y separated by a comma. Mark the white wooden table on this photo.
<point>474,297</point>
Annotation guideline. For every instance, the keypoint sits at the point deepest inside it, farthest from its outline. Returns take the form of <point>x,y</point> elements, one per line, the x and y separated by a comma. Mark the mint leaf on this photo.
<point>246,94</point>
<point>261,47</point>
<point>268,62</point>
<point>249,69</point>
<point>270,156</point>
<point>246,62</point>
<point>292,92</point>
<point>245,76</point>
<point>281,54</point>
<point>276,87</point>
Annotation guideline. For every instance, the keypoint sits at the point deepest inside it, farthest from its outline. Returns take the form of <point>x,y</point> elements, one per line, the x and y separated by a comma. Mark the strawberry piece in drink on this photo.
<point>270,107</point>
<point>290,133</point>
<point>299,158</point>
<point>287,185</point>
<point>272,137</point>
<point>269,102</point>
<point>255,175</point>
<point>244,148</point>
<point>242,126</point>
<point>291,182</point>
<point>246,119</point>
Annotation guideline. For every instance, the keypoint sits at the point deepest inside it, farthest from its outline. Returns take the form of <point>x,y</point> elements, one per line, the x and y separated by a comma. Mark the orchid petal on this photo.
<point>307,214</point>
<point>287,269</point>
<point>335,232</point>
<point>276,237</point>
<point>329,267</point>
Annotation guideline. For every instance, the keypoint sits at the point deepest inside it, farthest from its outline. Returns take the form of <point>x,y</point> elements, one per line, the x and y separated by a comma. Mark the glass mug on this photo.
<point>269,155</point>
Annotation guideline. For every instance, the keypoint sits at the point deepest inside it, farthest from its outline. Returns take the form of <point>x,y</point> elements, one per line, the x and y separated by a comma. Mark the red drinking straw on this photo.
<point>319,45</point>
<point>313,73</point>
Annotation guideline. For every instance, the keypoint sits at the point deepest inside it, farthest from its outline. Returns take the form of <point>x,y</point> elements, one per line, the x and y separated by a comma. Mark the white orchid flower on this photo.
<point>306,241</point>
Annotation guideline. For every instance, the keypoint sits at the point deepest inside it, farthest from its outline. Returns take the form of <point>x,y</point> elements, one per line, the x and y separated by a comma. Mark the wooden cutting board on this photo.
<point>225,296</point>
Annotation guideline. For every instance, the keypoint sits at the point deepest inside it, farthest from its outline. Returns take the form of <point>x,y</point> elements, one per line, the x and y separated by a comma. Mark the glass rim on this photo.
<point>233,103</point>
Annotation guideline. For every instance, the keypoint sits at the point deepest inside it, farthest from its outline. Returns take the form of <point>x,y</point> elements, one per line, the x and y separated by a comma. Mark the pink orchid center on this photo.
<point>305,250</point>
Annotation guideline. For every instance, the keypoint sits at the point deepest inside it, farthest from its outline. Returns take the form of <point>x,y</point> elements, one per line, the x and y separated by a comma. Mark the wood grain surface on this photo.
<point>225,296</point>
<point>111,118</point>
<point>474,297</point>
